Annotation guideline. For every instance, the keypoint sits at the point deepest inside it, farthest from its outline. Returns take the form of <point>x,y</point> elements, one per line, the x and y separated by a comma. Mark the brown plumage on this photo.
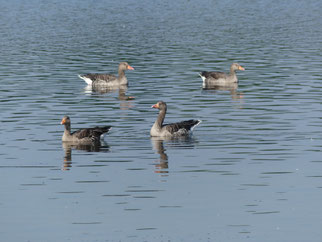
<point>84,136</point>
<point>173,129</point>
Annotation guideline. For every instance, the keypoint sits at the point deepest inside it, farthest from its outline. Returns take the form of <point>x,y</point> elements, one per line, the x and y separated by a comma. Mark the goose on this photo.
<point>83,136</point>
<point>220,78</point>
<point>108,80</point>
<point>171,130</point>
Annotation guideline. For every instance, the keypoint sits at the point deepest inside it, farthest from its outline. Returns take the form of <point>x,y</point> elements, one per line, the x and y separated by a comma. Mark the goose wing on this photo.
<point>213,74</point>
<point>100,77</point>
<point>91,132</point>
<point>185,125</point>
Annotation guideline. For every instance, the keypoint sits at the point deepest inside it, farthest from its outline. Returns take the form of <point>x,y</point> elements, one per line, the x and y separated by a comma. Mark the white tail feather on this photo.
<point>202,77</point>
<point>104,134</point>
<point>199,121</point>
<point>87,80</point>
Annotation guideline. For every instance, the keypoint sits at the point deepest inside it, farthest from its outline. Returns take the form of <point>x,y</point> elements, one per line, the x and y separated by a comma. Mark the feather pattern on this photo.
<point>93,133</point>
<point>96,77</point>
<point>213,74</point>
<point>184,126</point>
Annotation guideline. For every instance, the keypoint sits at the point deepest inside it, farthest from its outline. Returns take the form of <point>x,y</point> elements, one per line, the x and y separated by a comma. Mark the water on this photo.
<point>250,172</point>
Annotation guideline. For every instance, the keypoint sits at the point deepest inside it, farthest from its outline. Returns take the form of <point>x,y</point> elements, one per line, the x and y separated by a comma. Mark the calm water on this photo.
<point>252,171</point>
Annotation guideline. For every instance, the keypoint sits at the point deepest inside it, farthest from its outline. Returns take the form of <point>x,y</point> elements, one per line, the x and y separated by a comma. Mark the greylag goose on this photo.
<point>220,78</point>
<point>83,136</point>
<point>108,80</point>
<point>170,130</point>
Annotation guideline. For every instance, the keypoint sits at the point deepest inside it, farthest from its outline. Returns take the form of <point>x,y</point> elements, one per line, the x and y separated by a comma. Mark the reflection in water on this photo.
<point>177,142</point>
<point>68,146</point>
<point>67,163</point>
<point>232,88</point>
<point>103,90</point>
<point>162,163</point>
<point>121,94</point>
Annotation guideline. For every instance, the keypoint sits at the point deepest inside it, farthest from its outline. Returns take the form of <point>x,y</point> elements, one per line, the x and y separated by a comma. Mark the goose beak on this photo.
<point>63,121</point>
<point>241,68</point>
<point>155,106</point>
<point>130,67</point>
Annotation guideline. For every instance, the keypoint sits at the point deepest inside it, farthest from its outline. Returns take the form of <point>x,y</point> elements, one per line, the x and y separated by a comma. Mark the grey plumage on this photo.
<point>213,78</point>
<point>108,80</point>
<point>173,129</point>
<point>86,135</point>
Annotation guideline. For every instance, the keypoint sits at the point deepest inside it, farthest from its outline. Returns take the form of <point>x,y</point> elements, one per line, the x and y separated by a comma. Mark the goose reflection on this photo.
<point>121,94</point>
<point>68,146</point>
<point>103,90</point>
<point>162,164</point>
<point>231,88</point>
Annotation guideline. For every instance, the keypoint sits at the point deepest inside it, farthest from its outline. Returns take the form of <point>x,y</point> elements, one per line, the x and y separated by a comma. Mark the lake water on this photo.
<point>252,171</point>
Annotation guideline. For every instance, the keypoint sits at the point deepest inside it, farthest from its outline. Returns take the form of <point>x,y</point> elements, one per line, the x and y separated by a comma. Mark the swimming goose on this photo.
<point>220,78</point>
<point>170,130</point>
<point>108,80</point>
<point>83,136</point>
